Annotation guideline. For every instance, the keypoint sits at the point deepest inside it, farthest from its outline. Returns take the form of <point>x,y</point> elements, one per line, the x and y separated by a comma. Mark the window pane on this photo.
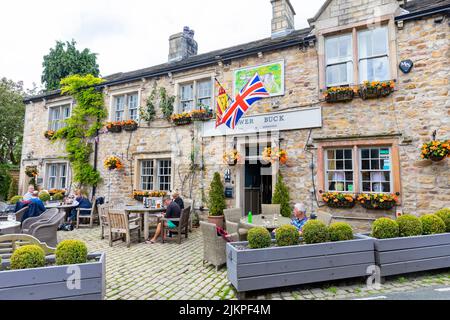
<point>375,165</point>
<point>204,89</point>
<point>375,69</point>
<point>186,92</point>
<point>147,173</point>
<point>330,154</point>
<point>338,49</point>
<point>348,164</point>
<point>164,174</point>
<point>339,74</point>
<point>372,43</point>
<point>339,154</point>
<point>339,172</point>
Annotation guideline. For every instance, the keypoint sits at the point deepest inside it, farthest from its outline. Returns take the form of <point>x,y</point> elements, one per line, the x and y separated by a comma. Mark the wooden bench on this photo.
<point>11,242</point>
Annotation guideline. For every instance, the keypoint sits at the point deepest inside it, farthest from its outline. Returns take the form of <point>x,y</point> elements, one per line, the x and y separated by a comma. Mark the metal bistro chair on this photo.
<point>119,224</point>
<point>183,225</point>
<point>90,217</point>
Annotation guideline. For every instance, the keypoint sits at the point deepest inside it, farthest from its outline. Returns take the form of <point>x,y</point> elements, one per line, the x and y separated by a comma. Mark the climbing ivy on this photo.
<point>166,103</point>
<point>149,113</point>
<point>83,125</point>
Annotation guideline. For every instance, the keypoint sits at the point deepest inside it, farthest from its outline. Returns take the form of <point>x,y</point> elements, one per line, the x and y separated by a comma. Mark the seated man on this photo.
<point>300,219</point>
<point>176,198</point>
<point>27,196</point>
<point>173,210</point>
<point>35,207</point>
<point>82,203</point>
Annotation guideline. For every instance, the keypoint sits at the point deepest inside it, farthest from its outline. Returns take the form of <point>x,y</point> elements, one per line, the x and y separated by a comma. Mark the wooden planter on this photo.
<point>201,117</point>
<point>51,283</point>
<point>412,254</point>
<point>182,122</point>
<point>436,158</point>
<point>375,205</point>
<point>342,96</point>
<point>275,267</point>
<point>115,129</point>
<point>374,93</point>
<point>130,127</point>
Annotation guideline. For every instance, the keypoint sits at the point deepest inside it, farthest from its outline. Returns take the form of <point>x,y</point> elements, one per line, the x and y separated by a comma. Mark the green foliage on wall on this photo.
<point>166,103</point>
<point>87,117</point>
<point>281,196</point>
<point>149,112</point>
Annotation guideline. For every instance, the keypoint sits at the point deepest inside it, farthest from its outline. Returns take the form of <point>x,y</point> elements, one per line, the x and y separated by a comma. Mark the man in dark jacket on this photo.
<point>83,203</point>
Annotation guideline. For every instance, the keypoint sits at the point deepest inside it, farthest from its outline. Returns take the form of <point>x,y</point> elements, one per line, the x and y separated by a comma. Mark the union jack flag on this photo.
<point>253,91</point>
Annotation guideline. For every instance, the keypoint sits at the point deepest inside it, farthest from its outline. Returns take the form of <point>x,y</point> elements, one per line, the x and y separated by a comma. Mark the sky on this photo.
<point>128,34</point>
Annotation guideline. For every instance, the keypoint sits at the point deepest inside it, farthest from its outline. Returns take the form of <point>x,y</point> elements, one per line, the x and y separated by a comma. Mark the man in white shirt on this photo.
<point>27,196</point>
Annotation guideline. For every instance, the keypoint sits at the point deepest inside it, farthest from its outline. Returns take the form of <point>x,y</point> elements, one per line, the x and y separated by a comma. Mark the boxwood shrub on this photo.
<point>259,238</point>
<point>27,257</point>
<point>340,231</point>
<point>444,214</point>
<point>409,226</point>
<point>287,236</point>
<point>385,228</point>
<point>315,231</point>
<point>71,252</point>
<point>432,224</point>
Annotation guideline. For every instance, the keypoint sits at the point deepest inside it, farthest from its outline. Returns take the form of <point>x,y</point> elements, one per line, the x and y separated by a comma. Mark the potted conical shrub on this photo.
<point>281,197</point>
<point>216,201</point>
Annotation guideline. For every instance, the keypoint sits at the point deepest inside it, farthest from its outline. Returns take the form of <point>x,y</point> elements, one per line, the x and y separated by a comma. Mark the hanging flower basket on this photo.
<point>274,155</point>
<point>231,158</point>
<point>339,94</point>
<point>201,115</point>
<point>114,127</point>
<point>113,163</point>
<point>376,89</point>
<point>339,200</point>
<point>49,134</point>
<point>436,150</point>
<point>130,125</point>
<point>377,201</point>
<point>31,171</point>
<point>181,119</point>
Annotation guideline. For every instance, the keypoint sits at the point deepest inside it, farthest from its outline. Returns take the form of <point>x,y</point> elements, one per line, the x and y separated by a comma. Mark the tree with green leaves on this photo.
<point>281,196</point>
<point>65,60</point>
<point>216,199</point>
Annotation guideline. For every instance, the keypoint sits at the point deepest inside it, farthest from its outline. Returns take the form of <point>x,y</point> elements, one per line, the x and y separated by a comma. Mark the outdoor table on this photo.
<point>62,207</point>
<point>147,213</point>
<point>266,221</point>
<point>8,227</point>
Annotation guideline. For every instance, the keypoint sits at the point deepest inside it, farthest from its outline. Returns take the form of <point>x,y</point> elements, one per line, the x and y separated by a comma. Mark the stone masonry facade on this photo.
<point>406,118</point>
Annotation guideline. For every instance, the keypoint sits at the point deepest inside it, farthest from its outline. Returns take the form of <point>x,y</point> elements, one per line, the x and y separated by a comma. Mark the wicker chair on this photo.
<point>183,225</point>
<point>3,207</point>
<point>44,217</point>
<point>324,217</point>
<point>19,214</point>
<point>46,230</point>
<point>270,209</point>
<point>119,224</point>
<point>214,246</point>
<point>233,223</point>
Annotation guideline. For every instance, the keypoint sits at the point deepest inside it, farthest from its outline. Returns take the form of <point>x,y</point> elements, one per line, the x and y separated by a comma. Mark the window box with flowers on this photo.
<point>129,125</point>
<point>436,150</point>
<point>181,119</point>
<point>231,158</point>
<point>376,89</point>
<point>275,154</point>
<point>339,200</point>
<point>140,195</point>
<point>113,163</point>
<point>339,94</point>
<point>201,115</point>
<point>114,127</point>
<point>374,201</point>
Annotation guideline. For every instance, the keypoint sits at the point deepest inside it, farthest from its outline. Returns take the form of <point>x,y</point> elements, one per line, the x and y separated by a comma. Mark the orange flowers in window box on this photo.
<point>181,119</point>
<point>339,200</point>
<point>113,163</point>
<point>201,115</point>
<point>115,126</point>
<point>376,89</point>
<point>129,125</point>
<point>436,150</point>
<point>377,201</point>
<point>275,154</point>
<point>231,158</point>
<point>140,195</point>
<point>339,94</point>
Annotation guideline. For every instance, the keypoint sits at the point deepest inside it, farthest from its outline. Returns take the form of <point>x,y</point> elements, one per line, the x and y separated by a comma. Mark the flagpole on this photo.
<point>229,98</point>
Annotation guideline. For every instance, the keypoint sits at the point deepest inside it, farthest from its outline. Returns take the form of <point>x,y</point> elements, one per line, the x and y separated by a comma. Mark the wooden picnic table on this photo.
<point>147,213</point>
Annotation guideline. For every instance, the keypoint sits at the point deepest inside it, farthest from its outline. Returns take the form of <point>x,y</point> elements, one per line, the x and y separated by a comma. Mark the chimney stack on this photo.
<point>182,45</point>
<point>282,18</point>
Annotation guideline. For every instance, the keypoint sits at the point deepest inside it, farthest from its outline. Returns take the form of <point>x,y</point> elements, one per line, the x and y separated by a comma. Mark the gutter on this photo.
<point>420,14</point>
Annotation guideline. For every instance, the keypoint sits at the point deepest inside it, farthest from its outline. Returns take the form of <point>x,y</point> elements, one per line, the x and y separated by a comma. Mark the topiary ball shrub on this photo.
<point>27,257</point>
<point>385,228</point>
<point>409,226</point>
<point>287,236</point>
<point>432,224</point>
<point>259,238</point>
<point>444,214</point>
<point>340,231</point>
<point>58,196</point>
<point>315,231</point>
<point>44,196</point>
<point>15,199</point>
<point>71,252</point>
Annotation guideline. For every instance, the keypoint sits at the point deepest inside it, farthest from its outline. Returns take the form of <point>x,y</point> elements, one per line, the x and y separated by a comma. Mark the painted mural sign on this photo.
<point>271,74</point>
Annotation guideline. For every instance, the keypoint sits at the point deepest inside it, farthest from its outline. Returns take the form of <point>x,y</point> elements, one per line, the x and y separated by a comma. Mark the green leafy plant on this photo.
<point>216,199</point>
<point>13,188</point>
<point>444,214</point>
<point>385,228</point>
<point>166,103</point>
<point>340,231</point>
<point>287,236</point>
<point>84,124</point>
<point>432,224</point>
<point>409,226</point>
<point>281,197</point>
<point>259,238</point>
<point>71,252</point>
<point>15,199</point>
<point>27,257</point>
<point>149,113</point>
<point>44,196</point>
<point>5,181</point>
<point>315,231</point>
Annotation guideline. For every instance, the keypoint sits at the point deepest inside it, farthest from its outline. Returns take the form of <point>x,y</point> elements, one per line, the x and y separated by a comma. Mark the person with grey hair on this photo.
<point>300,219</point>
<point>173,210</point>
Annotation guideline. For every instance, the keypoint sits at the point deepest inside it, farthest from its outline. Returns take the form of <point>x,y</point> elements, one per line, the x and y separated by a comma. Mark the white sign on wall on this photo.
<point>278,121</point>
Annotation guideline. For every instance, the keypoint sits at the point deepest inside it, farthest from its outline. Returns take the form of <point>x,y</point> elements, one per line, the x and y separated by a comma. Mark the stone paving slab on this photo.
<point>172,272</point>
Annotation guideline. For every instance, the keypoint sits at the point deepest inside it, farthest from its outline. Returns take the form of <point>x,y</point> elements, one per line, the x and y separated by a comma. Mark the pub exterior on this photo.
<point>339,133</point>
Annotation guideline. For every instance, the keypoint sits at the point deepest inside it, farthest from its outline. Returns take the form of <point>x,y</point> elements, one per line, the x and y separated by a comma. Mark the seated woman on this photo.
<point>83,203</point>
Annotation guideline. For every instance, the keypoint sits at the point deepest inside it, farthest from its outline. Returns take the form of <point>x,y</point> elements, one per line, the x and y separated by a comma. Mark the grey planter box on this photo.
<point>50,283</point>
<point>412,254</point>
<point>286,266</point>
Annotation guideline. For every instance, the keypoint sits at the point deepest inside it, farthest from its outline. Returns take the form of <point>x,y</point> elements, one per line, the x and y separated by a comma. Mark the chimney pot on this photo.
<point>182,45</point>
<point>283,18</point>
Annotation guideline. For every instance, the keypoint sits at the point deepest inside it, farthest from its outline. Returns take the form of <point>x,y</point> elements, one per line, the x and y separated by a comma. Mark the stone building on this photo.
<point>356,146</point>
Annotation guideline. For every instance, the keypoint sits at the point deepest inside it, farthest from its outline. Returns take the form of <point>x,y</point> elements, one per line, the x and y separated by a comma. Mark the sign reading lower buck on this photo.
<point>279,121</point>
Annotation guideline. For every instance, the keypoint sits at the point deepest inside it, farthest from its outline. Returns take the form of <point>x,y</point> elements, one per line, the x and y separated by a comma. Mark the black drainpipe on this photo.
<point>96,142</point>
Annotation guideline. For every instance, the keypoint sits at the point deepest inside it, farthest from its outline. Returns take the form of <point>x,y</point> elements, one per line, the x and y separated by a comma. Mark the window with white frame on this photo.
<point>195,95</point>
<point>58,115</point>
<point>373,55</point>
<point>156,174</point>
<point>126,107</point>
<point>339,60</point>
<point>339,170</point>
<point>376,166</point>
<point>56,176</point>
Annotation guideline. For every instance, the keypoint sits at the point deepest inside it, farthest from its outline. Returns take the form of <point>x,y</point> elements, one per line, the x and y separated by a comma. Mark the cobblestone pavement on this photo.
<point>172,271</point>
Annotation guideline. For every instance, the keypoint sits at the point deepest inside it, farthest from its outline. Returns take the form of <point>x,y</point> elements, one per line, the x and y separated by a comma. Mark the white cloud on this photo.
<point>127,35</point>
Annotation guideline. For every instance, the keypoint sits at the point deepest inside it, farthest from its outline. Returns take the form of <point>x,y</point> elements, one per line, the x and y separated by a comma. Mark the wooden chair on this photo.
<point>103,218</point>
<point>11,242</point>
<point>183,225</point>
<point>119,224</point>
<point>190,203</point>
<point>270,209</point>
<point>90,217</point>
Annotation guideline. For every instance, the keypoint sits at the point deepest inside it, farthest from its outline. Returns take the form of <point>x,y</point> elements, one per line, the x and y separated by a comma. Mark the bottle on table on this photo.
<point>250,217</point>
